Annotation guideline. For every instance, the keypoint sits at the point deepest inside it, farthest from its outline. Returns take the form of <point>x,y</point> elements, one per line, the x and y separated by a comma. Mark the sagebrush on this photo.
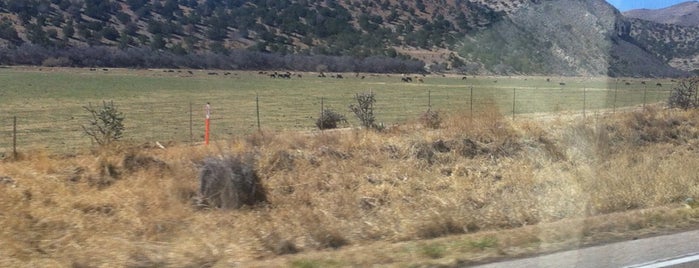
<point>106,123</point>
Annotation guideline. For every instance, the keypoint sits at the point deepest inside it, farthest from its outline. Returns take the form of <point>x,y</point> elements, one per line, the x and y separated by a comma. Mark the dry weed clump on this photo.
<point>338,188</point>
<point>230,182</point>
<point>653,126</point>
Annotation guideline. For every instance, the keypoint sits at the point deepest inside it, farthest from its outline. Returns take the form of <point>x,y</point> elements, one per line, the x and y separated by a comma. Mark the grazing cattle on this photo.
<point>659,84</point>
<point>339,76</point>
<point>420,80</point>
<point>464,78</point>
<point>274,75</point>
<point>562,84</point>
<point>362,77</point>
<point>627,83</point>
<point>548,79</point>
<point>299,75</point>
<point>643,82</point>
<point>321,74</point>
<point>212,73</point>
<point>227,73</point>
<point>92,69</point>
<point>190,72</point>
<point>105,69</point>
<point>261,72</point>
<point>406,79</point>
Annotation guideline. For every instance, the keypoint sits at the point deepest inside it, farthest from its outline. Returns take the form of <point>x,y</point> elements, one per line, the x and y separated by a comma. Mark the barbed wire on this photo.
<point>60,127</point>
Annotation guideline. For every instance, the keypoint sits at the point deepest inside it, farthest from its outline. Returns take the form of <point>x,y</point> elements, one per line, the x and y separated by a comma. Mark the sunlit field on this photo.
<point>167,105</point>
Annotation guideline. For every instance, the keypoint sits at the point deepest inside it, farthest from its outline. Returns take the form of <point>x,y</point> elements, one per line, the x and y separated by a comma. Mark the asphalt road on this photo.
<point>676,250</point>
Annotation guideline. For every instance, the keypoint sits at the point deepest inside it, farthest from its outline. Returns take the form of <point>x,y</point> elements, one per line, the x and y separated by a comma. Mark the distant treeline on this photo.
<point>103,56</point>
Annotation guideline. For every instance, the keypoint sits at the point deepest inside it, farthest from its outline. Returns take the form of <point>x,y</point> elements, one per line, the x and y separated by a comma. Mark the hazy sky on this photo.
<point>625,5</point>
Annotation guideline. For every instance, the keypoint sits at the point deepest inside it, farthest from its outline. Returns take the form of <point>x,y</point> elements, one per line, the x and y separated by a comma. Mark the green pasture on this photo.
<point>158,105</point>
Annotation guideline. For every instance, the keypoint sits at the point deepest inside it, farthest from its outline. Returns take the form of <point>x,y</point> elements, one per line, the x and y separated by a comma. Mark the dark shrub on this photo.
<point>230,182</point>
<point>431,119</point>
<point>134,162</point>
<point>329,119</point>
<point>364,109</point>
<point>106,123</point>
<point>684,95</point>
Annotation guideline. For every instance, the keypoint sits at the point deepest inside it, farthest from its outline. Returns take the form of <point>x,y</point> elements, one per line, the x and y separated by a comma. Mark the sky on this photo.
<point>624,5</point>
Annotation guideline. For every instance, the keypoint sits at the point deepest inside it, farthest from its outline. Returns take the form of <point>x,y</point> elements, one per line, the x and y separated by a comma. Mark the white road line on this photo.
<point>668,262</point>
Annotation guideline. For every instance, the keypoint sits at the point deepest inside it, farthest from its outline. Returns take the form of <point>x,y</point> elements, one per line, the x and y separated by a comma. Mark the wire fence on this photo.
<point>58,128</point>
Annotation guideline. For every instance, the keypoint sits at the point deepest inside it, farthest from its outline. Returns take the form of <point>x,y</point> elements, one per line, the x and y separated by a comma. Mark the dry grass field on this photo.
<point>479,187</point>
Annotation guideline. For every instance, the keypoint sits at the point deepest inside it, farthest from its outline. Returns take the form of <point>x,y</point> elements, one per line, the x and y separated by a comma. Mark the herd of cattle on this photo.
<point>404,77</point>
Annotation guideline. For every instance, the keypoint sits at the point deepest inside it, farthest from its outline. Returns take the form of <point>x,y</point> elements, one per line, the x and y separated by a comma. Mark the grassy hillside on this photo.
<point>390,193</point>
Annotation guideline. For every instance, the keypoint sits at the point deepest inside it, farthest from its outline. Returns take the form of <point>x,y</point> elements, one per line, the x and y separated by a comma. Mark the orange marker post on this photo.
<point>207,123</point>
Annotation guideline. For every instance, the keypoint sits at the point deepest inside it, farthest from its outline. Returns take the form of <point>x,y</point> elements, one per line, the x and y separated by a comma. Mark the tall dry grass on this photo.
<point>332,189</point>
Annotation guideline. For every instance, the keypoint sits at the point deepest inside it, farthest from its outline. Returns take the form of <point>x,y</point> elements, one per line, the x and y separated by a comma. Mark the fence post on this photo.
<point>429,99</point>
<point>616,88</point>
<point>471,105</point>
<point>191,123</point>
<point>257,108</point>
<point>696,95</point>
<point>207,123</point>
<point>322,115</point>
<point>645,92</point>
<point>584,103</point>
<point>14,138</point>
<point>514,101</point>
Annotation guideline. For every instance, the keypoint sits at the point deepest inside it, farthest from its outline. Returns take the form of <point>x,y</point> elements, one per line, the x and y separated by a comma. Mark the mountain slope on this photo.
<point>684,14</point>
<point>353,27</point>
<point>674,44</point>
<point>569,37</point>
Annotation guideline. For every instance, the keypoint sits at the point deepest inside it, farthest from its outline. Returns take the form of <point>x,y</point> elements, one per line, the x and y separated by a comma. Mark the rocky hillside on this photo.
<point>670,33</point>
<point>674,44</point>
<point>569,37</point>
<point>684,14</point>
<point>466,36</point>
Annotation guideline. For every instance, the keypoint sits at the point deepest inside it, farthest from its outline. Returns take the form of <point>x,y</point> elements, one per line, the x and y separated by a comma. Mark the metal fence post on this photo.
<point>514,101</point>
<point>616,88</point>
<point>584,103</point>
<point>429,99</point>
<point>322,114</point>
<point>14,137</point>
<point>471,105</point>
<point>645,92</point>
<point>257,108</point>
<point>191,123</point>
